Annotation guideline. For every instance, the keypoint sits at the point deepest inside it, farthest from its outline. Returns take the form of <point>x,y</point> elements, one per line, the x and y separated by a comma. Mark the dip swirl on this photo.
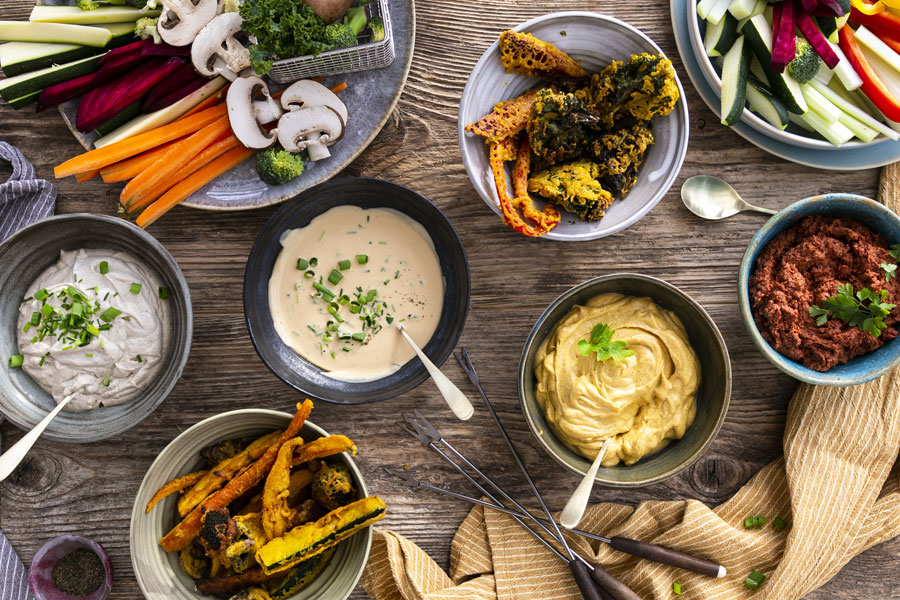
<point>125,355</point>
<point>642,401</point>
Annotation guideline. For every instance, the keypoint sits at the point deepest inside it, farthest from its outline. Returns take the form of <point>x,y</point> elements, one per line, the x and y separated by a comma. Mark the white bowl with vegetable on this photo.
<point>808,105</point>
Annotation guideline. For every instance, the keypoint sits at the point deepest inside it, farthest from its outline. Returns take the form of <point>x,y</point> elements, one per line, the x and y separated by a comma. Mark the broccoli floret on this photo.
<point>644,87</point>
<point>356,18</point>
<point>806,63</point>
<point>276,166</point>
<point>145,28</point>
<point>339,35</point>
<point>560,126</point>
<point>376,24</point>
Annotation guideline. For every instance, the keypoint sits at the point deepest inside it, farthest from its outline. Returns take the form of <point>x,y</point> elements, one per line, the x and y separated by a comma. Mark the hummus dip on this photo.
<point>110,351</point>
<point>641,401</point>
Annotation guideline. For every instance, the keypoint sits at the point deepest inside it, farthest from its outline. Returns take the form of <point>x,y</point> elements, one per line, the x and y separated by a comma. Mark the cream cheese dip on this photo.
<point>94,327</point>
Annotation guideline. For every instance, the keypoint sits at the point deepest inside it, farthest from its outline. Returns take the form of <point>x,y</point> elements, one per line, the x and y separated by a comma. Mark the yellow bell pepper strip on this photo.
<point>866,8</point>
<point>874,87</point>
<point>885,23</point>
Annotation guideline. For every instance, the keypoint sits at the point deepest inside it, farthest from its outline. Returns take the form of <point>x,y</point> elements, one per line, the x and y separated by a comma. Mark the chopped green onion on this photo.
<point>309,274</point>
<point>89,355</point>
<point>333,308</point>
<point>164,293</point>
<point>331,326</point>
<point>106,381</point>
<point>362,259</point>
<point>43,358</point>
<point>92,330</point>
<point>371,295</point>
<point>16,361</point>
<point>110,313</point>
<point>676,588</point>
<point>35,318</point>
<point>136,288</point>
<point>335,277</point>
<point>78,309</point>
<point>41,294</point>
<point>343,299</point>
<point>139,359</point>
<point>343,265</point>
<point>754,580</point>
<point>302,264</point>
<point>359,337</point>
<point>779,523</point>
<point>104,267</point>
<point>354,307</point>
<point>313,261</point>
<point>327,294</point>
<point>47,310</point>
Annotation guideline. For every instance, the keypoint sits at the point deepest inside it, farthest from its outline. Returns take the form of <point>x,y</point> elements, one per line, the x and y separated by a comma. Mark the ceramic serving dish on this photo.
<point>159,574</point>
<point>712,397</point>
<point>876,217</point>
<point>595,40</point>
<point>366,193</point>
<point>23,257</point>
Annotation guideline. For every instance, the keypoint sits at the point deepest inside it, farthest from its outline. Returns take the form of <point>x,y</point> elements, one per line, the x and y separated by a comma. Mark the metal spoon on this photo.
<point>10,459</point>
<point>712,198</point>
<point>574,509</point>
<point>459,404</point>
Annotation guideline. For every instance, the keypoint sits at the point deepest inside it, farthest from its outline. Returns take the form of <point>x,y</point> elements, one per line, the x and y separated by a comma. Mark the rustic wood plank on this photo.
<point>89,489</point>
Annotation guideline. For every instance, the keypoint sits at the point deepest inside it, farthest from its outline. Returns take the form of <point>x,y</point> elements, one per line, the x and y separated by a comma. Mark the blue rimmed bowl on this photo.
<point>873,215</point>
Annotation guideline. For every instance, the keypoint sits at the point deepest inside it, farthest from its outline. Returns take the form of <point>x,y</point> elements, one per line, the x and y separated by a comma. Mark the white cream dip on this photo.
<point>126,353</point>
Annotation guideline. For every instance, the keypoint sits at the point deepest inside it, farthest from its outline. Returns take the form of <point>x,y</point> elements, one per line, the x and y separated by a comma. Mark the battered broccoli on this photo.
<point>806,63</point>
<point>560,127</point>
<point>145,28</point>
<point>376,24</point>
<point>619,155</point>
<point>644,87</point>
<point>276,166</point>
<point>575,187</point>
<point>339,35</point>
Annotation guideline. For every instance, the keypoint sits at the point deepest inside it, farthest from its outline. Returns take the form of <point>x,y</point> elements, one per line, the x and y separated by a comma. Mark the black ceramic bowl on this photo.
<point>298,212</point>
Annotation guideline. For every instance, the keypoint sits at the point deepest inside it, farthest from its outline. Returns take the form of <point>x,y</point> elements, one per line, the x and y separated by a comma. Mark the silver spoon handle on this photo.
<point>767,211</point>
<point>458,402</point>
<point>10,459</point>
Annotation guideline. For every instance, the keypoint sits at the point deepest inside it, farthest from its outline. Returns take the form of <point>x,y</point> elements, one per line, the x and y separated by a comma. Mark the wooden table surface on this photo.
<point>89,489</point>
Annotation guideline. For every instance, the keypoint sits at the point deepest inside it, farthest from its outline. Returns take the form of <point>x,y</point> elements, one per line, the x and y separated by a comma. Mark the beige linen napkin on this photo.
<point>834,486</point>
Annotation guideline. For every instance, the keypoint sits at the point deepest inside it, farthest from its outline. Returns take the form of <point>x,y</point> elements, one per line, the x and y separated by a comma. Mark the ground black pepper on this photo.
<point>78,573</point>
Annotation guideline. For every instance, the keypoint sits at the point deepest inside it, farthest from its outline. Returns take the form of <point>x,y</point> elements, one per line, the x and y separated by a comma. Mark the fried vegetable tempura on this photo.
<point>506,120</point>
<point>560,128</point>
<point>524,54</point>
<point>619,155</point>
<point>644,87</point>
<point>575,187</point>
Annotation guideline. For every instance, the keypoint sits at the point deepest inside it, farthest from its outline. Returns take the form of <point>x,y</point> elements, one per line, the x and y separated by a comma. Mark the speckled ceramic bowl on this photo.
<point>298,212</point>
<point>23,256</point>
<point>872,214</point>
<point>712,397</point>
<point>159,574</point>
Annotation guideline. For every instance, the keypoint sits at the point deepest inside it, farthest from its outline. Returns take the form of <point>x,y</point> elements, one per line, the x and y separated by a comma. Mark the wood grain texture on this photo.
<point>89,489</point>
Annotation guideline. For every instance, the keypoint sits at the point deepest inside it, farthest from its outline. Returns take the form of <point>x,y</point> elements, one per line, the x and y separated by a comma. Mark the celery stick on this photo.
<point>850,108</point>
<point>820,104</point>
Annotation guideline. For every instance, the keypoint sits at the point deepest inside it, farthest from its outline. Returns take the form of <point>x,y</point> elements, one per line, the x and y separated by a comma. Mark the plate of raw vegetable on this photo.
<point>171,97</point>
<point>818,74</point>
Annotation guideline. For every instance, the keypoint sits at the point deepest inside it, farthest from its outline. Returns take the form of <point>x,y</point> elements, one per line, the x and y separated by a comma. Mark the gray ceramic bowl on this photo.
<point>712,396</point>
<point>23,257</point>
<point>158,572</point>
<point>874,215</point>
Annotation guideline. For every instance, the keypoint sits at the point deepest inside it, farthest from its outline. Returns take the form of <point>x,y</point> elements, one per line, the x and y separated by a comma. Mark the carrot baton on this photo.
<point>131,167</point>
<point>87,175</point>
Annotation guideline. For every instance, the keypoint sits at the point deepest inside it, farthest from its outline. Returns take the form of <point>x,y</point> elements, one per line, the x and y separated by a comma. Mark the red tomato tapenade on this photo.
<point>803,266</point>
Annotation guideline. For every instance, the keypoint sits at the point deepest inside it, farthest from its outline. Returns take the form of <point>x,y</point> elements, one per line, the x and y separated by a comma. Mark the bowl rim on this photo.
<point>183,289</point>
<point>415,379</point>
<point>748,116</point>
<point>781,362</point>
<point>531,340</point>
<point>138,511</point>
<point>663,188</point>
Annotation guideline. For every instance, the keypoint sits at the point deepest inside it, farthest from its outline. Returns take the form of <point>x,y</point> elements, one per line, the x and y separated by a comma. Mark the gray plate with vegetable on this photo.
<point>370,98</point>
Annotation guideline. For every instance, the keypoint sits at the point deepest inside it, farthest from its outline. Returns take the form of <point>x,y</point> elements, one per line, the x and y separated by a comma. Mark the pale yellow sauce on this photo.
<point>401,265</point>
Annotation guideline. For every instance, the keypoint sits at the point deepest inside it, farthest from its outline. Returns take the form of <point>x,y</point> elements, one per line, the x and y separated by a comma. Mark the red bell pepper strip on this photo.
<point>894,44</point>
<point>885,23</point>
<point>873,87</point>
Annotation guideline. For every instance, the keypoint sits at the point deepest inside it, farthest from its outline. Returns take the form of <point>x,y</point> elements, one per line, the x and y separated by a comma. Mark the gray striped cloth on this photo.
<point>24,199</point>
<point>13,576</point>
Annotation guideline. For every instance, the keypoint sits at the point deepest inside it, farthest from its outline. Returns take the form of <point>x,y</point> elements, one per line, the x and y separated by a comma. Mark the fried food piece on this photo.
<point>644,87</point>
<point>216,453</point>
<point>499,153</point>
<point>300,480</point>
<point>176,485</point>
<point>217,530</point>
<point>194,561</point>
<point>240,555</point>
<point>575,187</point>
<point>225,586</point>
<point>275,493</point>
<point>524,54</point>
<point>506,120</point>
<point>332,487</point>
<point>252,594</point>
<point>182,534</point>
<point>298,577</point>
<point>560,127</point>
<point>619,155</point>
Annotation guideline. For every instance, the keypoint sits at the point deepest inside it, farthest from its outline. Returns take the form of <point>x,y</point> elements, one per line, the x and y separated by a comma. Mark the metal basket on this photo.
<point>362,57</point>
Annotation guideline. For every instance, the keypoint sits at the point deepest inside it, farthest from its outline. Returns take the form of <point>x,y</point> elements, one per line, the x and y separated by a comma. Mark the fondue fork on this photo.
<point>582,570</point>
<point>645,550</point>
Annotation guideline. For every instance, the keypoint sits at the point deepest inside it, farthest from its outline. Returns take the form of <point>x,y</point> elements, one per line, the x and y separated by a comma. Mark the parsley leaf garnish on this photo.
<point>601,343</point>
<point>894,251</point>
<point>890,270</point>
<point>865,309</point>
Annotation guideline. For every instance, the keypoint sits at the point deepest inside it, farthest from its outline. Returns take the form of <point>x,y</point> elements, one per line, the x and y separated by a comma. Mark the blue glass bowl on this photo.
<point>875,216</point>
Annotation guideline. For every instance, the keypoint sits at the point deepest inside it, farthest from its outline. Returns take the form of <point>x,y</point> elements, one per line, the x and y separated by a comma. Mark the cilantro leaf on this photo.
<point>602,345</point>
<point>821,314</point>
<point>895,251</point>
<point>889,271</point>
<point>865,309</point>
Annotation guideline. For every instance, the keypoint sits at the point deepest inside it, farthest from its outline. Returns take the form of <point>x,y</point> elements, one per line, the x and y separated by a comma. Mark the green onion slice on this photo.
<point>362,259</point>
<point>335,277</point>
<point>343,265</point>
<point>16,361</point>
<point>136,288</point>
<point>41,294</point>
<point>106,381</point>
<point>110,313</point>
<point>163,293</point>
<point>676,588</point>
<point>302,264</point>
<point>104,267</point>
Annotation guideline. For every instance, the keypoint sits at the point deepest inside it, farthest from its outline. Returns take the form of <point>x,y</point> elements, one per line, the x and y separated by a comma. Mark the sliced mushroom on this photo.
<point>306,93</point>
<point>182,20</point>
<point>249,108</point>
<point>312,129</point>
<point>216,50</point>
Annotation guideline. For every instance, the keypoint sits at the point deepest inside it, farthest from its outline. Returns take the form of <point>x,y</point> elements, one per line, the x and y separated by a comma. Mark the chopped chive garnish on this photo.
<point>110,313</point>
<point>354,307</point>
<point>362,259</point>
<point>138,358</point>
<point>78,309</point>
<point>754,580</point>
<point>327,294</point>
<point>41,294</point>
<point>92,330</point>
<point>46,310</point>
<point>16,361</point>
<point>104,267</point>
<point>343,265</point>
<point>27,326</point>
<point>371,295</point>
<point>779,523</point>
<point>43,358</point>
<point>389,319</point>
<point>359,337</point>
<point>89,355</point>
<point>676,588</point>
<point>314,262</point>
<point>302,264</point>
<point>136,288</point>
<point>335,277</point>
<point>164,293</point>
<point>35,318</point>
<point>309,274</point>
<point>106,381</point>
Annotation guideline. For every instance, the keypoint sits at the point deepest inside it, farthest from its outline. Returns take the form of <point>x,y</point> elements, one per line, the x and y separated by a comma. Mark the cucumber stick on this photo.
<point>720,36</point>
<point>76,16</point>
<point>758,33</point>
<point>767,106</point>
<point>21,57</point>
<point>742,9</point>
<point>735,68</point>
<point>28,83</point>
<point>24,31</point>
<point>26,100</point>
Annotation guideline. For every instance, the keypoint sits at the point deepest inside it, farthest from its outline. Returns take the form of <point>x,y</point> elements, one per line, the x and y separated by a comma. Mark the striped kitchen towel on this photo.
<point>24,199</point>
<point>13,576</point>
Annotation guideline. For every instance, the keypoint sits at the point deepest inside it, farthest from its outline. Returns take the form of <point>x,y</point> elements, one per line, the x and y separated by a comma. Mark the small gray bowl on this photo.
<point>23,257</point>
<point>712,397</point>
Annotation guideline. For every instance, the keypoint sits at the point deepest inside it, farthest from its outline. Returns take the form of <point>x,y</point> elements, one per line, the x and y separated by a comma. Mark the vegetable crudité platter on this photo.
<point>90,489</point>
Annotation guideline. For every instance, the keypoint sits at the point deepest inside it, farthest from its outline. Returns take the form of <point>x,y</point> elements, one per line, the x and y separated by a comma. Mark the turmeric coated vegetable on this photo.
<point>176,485</point>
<point>501,152</point>
<point>332,487</point>
<point>524,54</point>
<point>506,120</point>
<point>276,492</point>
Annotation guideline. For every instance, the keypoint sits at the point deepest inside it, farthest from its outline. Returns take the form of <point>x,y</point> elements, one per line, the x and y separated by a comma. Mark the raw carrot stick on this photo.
<point>107,155</point>
<point>87,175</point>
<point>212,151</point>
<point>339,87</point>
<point>175,158</point>
<point>211,101</point>
<point>192,183</point>
<point>131,167</point>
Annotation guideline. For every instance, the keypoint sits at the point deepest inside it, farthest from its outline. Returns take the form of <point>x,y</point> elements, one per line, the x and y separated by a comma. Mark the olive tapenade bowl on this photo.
<point>298,372</point>
<point>159,573</point>
<point>23,257</point>
<point>712,396</point>
<point>873,215</point>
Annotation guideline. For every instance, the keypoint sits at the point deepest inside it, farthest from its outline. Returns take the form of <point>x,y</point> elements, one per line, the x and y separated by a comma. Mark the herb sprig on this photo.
<point>864,309</point>
<point>602,345</point>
